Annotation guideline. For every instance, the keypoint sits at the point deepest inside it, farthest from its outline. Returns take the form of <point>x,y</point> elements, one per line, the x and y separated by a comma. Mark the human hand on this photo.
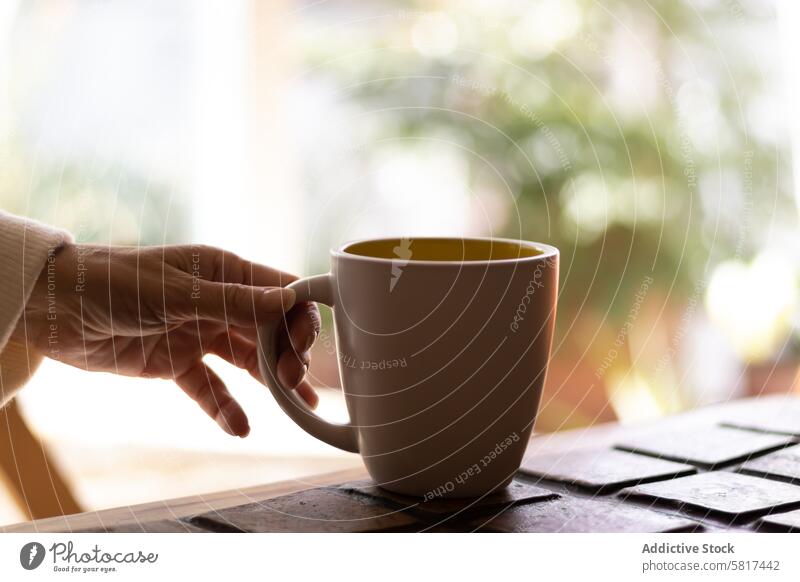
<point>156,311</point>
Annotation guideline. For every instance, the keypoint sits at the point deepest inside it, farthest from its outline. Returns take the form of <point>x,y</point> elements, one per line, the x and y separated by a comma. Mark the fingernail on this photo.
<point>226,418</point>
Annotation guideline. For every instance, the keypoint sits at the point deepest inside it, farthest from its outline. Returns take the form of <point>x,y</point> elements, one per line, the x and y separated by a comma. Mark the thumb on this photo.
<point>241,305</point>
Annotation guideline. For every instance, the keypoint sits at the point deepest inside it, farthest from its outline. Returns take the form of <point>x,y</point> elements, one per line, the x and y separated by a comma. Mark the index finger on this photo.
<point>221,266</point>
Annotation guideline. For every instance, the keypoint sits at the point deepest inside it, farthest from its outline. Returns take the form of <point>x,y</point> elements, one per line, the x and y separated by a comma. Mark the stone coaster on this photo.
<point>733,495</point>
<point>783,465</point>
<point>516,493</point>
<point>603,470</point>
<point>582,515</point>
<point>789,521</point>
<point>709,447</point>
<point>315,510</point>
<point>781,416</point>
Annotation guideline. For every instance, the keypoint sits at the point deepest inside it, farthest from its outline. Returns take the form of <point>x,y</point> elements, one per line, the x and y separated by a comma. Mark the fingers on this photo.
<point>307,393</point>
<point>303,322</point>
<point>237,350</point>
<point>212,284</point>
<point>221,266</point>
<point>203,386</point>
<point>243,353</point>
<point>292,368</point>
<point>295,342</point>
<point>240,305</point>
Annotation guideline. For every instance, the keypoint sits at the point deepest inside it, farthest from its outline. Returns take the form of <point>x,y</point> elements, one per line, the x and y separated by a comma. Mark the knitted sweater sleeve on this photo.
<point>25,246</point>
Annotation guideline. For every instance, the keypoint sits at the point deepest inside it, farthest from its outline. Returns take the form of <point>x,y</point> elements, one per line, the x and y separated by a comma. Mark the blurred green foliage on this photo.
<point>637,140</point>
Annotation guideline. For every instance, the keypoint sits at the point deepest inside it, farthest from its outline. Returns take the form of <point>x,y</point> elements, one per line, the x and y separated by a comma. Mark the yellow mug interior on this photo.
<point>442,249</point>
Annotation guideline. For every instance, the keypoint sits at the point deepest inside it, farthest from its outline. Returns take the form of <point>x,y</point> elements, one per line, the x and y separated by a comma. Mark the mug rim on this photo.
<point>545,251</point>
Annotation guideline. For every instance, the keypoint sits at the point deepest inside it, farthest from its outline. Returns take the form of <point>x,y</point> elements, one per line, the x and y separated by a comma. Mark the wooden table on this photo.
<point>730,467</point>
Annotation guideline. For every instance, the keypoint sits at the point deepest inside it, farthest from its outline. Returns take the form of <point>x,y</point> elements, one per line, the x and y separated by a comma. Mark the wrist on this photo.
<point>41,309</point>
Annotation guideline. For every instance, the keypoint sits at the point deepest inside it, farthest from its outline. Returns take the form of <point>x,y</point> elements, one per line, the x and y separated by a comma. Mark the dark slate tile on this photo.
<point>516,493</point>
<point>732,495</point>
<point>160,526</point>
<point>583,515</point>
<point>603,470</point>
<point>777,415</point>
<point>789,521</point>
<point>709,447</point>
<point>314,510</point>
<point>783,465</point>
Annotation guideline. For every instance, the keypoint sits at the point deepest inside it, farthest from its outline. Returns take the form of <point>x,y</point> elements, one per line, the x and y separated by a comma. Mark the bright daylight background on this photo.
<point>649,141</point>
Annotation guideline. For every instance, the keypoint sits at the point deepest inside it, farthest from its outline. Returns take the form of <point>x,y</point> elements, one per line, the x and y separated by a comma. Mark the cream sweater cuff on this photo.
<point>24,248</point>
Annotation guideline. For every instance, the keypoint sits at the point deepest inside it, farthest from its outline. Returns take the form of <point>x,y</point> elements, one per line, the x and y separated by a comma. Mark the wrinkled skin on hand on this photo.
<point>156,311</point>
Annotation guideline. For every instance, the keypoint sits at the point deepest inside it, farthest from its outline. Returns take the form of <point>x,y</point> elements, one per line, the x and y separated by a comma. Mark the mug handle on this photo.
<point>342,436</point>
